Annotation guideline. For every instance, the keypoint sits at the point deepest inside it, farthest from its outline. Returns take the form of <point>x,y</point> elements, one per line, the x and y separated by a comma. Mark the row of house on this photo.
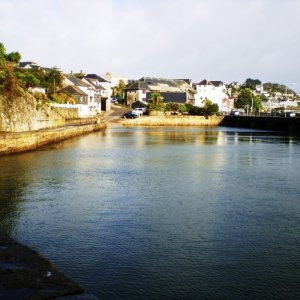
<point>180,91</point>
<point>95,91</point>
<point>91,92</point>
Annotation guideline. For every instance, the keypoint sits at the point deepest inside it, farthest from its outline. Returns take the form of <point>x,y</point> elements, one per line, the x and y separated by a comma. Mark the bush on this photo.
<point>171,106</point>
<point>40,97</point>
<point>63,98</point>
<point>198,111</point>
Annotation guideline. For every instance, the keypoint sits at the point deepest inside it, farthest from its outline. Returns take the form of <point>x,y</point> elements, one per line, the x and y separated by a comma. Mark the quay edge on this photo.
<point>14,142</point>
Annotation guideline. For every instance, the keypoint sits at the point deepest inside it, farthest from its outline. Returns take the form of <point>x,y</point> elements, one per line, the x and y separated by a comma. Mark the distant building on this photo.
<point>114,80</point>
<point>172,90</point>
<point>28,65</point>
<point>214,91</point>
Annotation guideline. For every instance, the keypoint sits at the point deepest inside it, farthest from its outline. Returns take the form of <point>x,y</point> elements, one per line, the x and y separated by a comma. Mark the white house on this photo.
<point>215,91</point>
<point>104,88</point>
<point>83,92</point>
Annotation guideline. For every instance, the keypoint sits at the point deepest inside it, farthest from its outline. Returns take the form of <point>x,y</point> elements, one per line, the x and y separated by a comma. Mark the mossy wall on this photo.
<point>27,114</point>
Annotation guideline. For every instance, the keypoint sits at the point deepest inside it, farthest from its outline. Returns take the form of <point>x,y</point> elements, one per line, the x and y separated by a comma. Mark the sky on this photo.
<point>227,40</point>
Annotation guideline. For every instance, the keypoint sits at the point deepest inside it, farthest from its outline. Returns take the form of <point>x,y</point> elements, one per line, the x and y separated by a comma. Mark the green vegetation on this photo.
<point>273,88</point>
<point>208,109</point>
<point>118,91</point>
<point>171,106</point>
<point>9,84</point>
<point>156,102</point>
<point>251,83</point>
<point>15,81</point>
<point>248,101</point>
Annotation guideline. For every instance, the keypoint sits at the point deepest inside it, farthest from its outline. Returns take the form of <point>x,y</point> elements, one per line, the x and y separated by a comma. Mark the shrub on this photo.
<point>171,106</point>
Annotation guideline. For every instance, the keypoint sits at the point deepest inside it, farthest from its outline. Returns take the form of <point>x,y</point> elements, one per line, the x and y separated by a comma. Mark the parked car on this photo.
<point>235,113</point>
<point>140,110</point>
<point>114,100</point>
<point>130,115</point>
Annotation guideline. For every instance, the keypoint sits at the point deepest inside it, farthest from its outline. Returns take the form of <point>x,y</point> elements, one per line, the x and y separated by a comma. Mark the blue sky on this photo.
<point>228,40</point>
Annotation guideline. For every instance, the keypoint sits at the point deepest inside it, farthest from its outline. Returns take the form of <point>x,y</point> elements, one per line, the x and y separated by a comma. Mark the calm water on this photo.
<point>163,213</point>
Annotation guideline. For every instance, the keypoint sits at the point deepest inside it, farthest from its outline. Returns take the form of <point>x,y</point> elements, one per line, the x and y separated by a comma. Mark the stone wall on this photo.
<point>175,121</point>
<point>264,123</point>
<point>27,114</point>
<point>68,113</point>
<point>24,141</point>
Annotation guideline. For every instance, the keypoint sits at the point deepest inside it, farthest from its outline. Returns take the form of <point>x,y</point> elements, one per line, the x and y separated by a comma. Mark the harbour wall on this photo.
<point>251,122</point>
<point>265,123</point>
<point>25,141</point>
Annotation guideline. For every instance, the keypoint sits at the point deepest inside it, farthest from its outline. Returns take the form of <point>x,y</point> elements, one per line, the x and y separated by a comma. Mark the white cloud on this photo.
<point>219,39</point>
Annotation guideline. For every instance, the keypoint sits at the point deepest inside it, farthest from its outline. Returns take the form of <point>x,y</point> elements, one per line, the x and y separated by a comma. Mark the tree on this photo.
<point>9,84</point>
<point>272,88</point>
<point>210,107</point>
<point>156,102</point>
<point>251,83</point>
<point>28,79</point>
<point>2,54</point>
<point>247,100</point>
<point>53,79</point>
<point>14,57</point>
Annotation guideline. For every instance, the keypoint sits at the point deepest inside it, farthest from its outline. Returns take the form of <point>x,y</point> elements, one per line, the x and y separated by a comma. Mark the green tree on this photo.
<point>2,54</point>
<point>248,101</point>
<point>53,80</point>
<point>210,107</point>
<point>272,88</point>
<point>28,79</point>
<point>156,102</point>
<point>13,57</point>
<point>9,84</point>
<point>251,83</point>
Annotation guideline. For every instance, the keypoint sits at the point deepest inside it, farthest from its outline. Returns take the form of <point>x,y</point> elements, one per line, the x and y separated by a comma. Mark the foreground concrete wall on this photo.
<point>175,121</point>
<point>19,142</point>
<point>26,114</point>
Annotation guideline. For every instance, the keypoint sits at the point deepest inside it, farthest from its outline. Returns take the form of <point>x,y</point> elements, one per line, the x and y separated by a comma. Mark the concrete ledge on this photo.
<point>82,121</point>
<point>25,141</point>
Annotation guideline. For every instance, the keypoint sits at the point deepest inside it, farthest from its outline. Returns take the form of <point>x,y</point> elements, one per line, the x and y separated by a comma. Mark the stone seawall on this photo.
<point>174,121</point>
<point>264,123</point>
<point>24,141</point>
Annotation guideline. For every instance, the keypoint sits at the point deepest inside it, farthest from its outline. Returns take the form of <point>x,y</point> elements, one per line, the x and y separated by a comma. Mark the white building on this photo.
<point>214,91</point>
<point>84,93</point>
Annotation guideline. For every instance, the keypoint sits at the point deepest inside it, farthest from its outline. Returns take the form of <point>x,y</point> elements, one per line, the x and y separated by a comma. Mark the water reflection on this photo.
<point>162,212</point>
